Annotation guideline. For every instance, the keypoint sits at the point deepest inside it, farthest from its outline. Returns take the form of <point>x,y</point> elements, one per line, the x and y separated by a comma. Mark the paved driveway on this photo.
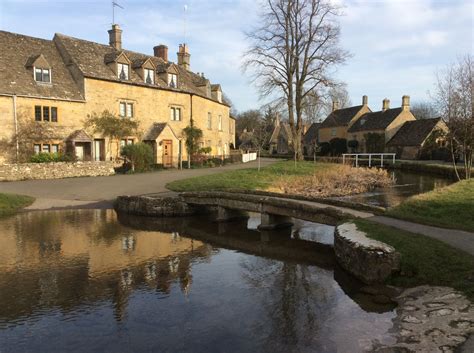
<point>101,191</point>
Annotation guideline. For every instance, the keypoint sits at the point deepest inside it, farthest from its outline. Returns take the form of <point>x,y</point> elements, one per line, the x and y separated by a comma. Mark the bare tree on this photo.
<point>454,97</point>
<point>292,53</point>
<point>423,110</point>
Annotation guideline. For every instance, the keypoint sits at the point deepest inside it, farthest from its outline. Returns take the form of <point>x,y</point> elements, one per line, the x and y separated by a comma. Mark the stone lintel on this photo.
<point>272,221</point>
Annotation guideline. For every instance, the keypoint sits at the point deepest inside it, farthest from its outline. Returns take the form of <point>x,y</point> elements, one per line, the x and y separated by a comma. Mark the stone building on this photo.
<point>337,123</point>
<point>412,137</point>
<point>384,123</point>
<point>311,139</point>
<point>55,84</point>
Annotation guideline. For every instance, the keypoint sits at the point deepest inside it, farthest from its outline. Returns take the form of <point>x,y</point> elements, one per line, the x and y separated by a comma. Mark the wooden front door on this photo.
<point>167,153</point>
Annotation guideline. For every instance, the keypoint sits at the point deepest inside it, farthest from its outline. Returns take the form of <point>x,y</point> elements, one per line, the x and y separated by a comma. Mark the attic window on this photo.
<point>42,75</point>
<point>149,76</point>
<point>122,71</point>
<point>173,80</point>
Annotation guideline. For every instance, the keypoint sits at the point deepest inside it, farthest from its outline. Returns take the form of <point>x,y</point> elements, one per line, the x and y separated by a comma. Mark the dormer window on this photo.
<point>150,76</point>
<point>173,80</point>
<point>42,75</point>
<point>123,71</point>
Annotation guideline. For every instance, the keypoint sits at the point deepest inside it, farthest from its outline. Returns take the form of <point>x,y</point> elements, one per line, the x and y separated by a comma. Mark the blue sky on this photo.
<point>396,45</point>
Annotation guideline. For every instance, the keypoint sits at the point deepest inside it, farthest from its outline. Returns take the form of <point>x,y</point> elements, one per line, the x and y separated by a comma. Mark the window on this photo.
<point>46,148</point>
<point>54,114</point>
<point>38,115</point>
<point>45,113</point>
<point>126,110</point>
<point>42,75</point>
<point>220,123</point>
<point>149,76</point>
<point>333,132</point>
<point>37,148</point>
<point>175,114</point>
<point>125,142</point>
<point>209,121</point>
<point>55,148</point>
<point>173,80</point>
<point>122,71</point>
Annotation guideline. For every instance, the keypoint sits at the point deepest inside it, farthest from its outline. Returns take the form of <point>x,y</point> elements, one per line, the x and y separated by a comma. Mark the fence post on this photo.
<point>343,159</point>
<point>393,155</point>
<point>357,160</point>
<point>381,160</point>
<point>370,160</point>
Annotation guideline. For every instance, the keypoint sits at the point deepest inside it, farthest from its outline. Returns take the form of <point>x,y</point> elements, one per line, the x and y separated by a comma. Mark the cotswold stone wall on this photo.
<point>24,171</point>
<point>153,206</point>
<point>369,260</point>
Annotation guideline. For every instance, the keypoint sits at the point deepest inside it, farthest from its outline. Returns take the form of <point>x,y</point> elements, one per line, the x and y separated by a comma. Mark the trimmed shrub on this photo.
<point>44,157</point>
<point>139,155</point>
<point>353,144</point>
<point>338,146</point>
<point>324,149</point>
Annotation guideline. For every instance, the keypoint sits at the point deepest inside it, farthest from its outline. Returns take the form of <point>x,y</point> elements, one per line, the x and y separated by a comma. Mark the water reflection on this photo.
<point>406,185</point>
<point>91,281</point>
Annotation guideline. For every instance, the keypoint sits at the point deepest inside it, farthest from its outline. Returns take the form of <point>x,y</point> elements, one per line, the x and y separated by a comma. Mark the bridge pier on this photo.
<point>228,214</point>
<point>272,221</point>
<point>269,235</point>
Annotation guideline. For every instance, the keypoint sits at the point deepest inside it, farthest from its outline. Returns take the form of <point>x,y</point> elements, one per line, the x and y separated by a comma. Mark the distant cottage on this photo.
<point>57,83</point>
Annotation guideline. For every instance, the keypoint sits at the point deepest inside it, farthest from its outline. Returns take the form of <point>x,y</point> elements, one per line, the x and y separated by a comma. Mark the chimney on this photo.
<point>385,104</point>
<point>406,103</point>
<point>115,37</point>
<point>365,100</point>
<point>184,56</point>
<point>335,105</point>
<point>161,51</point>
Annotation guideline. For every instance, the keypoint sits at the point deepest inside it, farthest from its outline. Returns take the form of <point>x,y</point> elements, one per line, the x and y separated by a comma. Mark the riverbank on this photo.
<point>424,261</point>
<point>12,203</point>
<point>448,207</point>
<point>305,179</point>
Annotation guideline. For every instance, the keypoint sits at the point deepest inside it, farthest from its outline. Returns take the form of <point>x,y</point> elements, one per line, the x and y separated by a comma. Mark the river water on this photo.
<point>93,281</point>
<point>405,185</point>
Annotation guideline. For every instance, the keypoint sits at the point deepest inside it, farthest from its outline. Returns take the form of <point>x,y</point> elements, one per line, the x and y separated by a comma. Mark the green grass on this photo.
<point>449,207</point>
<point>11,203</point>
<point>247,179</point>
<point>425,260</point>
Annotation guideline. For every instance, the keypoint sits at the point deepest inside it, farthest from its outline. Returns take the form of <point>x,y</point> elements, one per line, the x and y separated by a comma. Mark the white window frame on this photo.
<point>42,74</point>
<point>209,121</point>
<point>170,80</point>
<point>121,66</point>
<point>175,114</point>
<point>123,113</point>
<point>130,110</point>
<point>333,132</point>
<point>149,73</point>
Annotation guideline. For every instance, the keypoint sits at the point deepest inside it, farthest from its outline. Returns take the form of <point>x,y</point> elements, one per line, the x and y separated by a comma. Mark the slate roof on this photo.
<point>375,120</point>
<point>19,51</point>
<point>89,58</point>
<point>312,133</point>
<point>413,133</point>
<point>341,117</point>
<point>155,130</point>
<point>79,136</point>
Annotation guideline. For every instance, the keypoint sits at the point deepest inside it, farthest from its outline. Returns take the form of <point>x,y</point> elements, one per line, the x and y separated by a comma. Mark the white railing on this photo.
<point>247,157</point>
<point>370,155</point>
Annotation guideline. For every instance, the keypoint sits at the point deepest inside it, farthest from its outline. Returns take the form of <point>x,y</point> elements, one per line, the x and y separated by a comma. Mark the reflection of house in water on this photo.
<point>65,259</point>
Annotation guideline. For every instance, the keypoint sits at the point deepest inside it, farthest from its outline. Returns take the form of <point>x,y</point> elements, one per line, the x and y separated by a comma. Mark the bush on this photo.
<point>139,155</point>
<point>353,144</point>
<point>324,149</point>
<point>374,142</point>
<point>44,157</point>
<point>338,146</point>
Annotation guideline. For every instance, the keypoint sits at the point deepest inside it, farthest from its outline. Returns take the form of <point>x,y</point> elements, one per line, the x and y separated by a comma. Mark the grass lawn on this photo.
<point>11,203</point>
<point>248,179</point>
<point>425,260</point>
<point>449,207</point>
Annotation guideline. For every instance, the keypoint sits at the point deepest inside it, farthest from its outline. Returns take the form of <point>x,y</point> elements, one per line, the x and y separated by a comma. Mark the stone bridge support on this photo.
<point>228,214</point>
<point>272,221</point>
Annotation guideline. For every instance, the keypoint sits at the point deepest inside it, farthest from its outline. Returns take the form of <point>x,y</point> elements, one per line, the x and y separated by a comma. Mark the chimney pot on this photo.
<point>385,104</point>
<point>161,51</point>
<point>335,105</point>
<point>115,37</point>
<point>365,100</point>
<point>406,102</point>
<point>184,56</point>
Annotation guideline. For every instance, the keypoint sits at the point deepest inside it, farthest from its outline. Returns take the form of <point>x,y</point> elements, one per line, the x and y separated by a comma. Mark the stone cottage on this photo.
<point>53,85</point>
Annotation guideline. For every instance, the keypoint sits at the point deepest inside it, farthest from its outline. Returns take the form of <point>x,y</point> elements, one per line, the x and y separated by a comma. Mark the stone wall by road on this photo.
<point>369,260</point>
<point>25,171</point>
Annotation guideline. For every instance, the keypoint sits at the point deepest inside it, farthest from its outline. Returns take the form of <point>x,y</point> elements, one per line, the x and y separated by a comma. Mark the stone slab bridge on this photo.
<point>276,211</point>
